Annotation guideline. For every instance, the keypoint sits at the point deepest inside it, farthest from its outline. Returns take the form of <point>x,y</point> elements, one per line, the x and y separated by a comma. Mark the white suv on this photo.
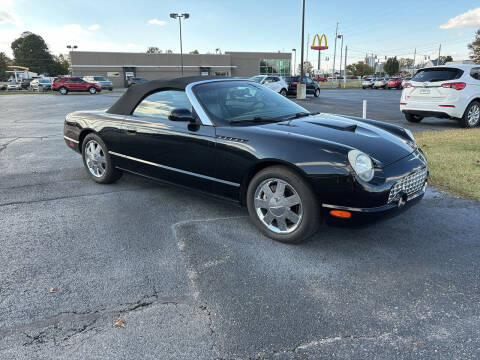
<point>276,83</point>
<point>451,92</point>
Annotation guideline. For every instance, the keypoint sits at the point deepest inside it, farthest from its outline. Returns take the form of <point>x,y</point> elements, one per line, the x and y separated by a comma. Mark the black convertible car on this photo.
<point>239,140</point>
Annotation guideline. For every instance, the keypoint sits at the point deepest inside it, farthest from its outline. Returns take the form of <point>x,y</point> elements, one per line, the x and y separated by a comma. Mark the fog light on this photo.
<point>341,214</point>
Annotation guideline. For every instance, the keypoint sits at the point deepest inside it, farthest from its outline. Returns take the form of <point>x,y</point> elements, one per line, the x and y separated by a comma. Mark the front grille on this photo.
<point>410,184</point>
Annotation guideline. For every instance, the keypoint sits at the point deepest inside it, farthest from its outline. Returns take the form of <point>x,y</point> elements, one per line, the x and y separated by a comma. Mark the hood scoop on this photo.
<point>334,124</point>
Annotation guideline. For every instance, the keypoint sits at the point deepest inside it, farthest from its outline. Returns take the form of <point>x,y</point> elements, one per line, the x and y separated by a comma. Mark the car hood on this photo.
<point>381,145</point>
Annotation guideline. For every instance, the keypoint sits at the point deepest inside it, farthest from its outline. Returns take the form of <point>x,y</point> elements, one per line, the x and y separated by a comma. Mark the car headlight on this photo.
<point>410,134</point>
<point>362,164</point>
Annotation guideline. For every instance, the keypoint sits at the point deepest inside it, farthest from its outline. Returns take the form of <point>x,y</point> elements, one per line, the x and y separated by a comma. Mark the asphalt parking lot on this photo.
<point>193,279</point>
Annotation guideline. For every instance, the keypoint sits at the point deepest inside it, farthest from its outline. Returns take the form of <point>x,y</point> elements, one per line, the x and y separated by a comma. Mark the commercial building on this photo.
<point>118,67</point>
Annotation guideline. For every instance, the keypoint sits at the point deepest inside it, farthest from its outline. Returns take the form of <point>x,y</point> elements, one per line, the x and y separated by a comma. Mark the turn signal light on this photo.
<point>455,85</point>
<point>407,85</point>
<point>295,83</point>
<point>341,214</point>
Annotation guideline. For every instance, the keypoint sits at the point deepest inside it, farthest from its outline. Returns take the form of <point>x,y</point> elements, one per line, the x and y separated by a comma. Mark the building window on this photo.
<point>222,73</point>
<point>275,67</point>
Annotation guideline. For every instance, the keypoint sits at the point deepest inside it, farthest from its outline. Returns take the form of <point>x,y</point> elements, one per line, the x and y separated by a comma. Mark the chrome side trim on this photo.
<point>175,169</point>
<point>196,104</point>
<point>70,139</point>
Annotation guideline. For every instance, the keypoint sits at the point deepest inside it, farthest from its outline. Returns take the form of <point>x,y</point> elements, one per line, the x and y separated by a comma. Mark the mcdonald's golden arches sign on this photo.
<point>320,40</point>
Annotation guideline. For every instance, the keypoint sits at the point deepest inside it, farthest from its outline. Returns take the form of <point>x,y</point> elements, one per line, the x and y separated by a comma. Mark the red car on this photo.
<point>320,79</point>
<point>66,84</point>
<point>394,83</point>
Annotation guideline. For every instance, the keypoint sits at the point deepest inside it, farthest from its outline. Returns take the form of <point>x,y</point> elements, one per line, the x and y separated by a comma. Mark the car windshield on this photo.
<point>257,79</point>
<point>44,81</point>
<point>99,78</point>
<point>235,101</point>
<point>437,74</point>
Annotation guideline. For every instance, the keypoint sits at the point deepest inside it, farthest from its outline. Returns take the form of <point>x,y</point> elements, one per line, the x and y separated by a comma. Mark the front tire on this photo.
<point>92,90</point>
<point>97,160</point>
<point>316,93</point>
<point>283,205</point>
<point>413,118</point>
<point>63,90</point>
<point>471,116</point>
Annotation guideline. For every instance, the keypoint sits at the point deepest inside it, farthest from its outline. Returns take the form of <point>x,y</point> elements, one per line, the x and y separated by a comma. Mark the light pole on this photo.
<point>71,47</point>
<point>180,16</point>
<point>301,87</point>
<point>334,53</point>
<point>341,54</point>
<point>294,60</point>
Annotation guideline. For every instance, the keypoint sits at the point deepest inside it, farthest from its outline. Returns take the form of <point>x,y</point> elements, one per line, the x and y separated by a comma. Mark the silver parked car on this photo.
<point>380,83</point>
<point>367,82</point>
<point>101,81</point>
<point>41,84</point>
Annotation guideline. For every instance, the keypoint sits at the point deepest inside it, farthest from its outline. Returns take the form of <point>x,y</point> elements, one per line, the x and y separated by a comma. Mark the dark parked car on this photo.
<point>25,83</point>
<point>3,87</point>
<point>66,84</point>
<point>135,80</point>
<point>312,86</point>
<point>238,140</point>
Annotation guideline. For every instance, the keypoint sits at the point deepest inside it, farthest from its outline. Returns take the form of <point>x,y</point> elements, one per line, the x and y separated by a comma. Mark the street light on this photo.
<point>179,16</point>
<point>341,54</point>
<point>294,60</point>
<point>71,47</point>
<point>301,87</point>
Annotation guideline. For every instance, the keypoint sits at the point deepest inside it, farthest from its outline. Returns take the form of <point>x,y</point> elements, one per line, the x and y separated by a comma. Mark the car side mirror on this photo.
<point>181,115</point>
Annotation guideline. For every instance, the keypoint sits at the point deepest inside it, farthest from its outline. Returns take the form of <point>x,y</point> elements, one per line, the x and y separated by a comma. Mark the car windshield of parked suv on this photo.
<point>437,74</point>
<point>243,101</point>
<point>257,79</point>
<point>44,81</point>
<point>99,78</point>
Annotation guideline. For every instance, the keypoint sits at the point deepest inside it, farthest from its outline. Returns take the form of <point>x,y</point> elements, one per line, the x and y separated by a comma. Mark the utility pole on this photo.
<point>345,69</point>
<point>341,54</point>
<point>439,48</point>
<point>319,60</point>
<point>301,87</point>
<point>334,52</point>
<point>414,55</point>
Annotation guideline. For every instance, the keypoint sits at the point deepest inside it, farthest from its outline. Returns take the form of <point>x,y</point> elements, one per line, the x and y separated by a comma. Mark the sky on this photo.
<point>384,28</point>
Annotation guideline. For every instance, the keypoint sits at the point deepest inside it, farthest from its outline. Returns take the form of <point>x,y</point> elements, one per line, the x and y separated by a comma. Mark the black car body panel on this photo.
<point>222,159</point>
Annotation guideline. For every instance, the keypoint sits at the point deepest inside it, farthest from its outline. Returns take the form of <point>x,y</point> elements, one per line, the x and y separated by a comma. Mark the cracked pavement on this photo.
<point>192,278</point>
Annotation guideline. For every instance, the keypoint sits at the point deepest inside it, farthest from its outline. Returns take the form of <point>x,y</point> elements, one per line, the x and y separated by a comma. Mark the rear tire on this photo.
<point>97,161</point>
<point>316,93</point>
<point>471,116</point>
<point>283,92</point>
<point>287,223</point>
<point>413,118</point>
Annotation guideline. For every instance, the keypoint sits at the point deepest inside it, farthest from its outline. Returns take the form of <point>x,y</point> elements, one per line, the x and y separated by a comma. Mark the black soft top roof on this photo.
<point>136,93</point>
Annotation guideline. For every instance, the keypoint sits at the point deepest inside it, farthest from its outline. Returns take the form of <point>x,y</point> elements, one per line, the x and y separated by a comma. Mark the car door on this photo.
<point>176,151</point>
<point>310,85</point>
<point>269,82</point>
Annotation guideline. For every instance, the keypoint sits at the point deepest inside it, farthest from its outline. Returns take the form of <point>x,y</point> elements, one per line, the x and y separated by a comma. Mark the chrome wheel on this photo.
<point>63,91</point>
<point>278,206</point>
<point>95,158</point>
<point>92,90</point>
<point>473,115</point>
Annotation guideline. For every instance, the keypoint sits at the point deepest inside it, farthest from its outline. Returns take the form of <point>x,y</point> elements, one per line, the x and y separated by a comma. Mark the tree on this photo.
<point>4,62</point>
<point>360,69</point>
<point>60,65</point>
<point>153,50</point>
<point>194,52</point>
<point>445,59</point>
<point>392,66</point>
<point>30,50</point>
<point>169,51</point>
<point>405,63</point>
<point>474,47</point>
<point>307,68</point>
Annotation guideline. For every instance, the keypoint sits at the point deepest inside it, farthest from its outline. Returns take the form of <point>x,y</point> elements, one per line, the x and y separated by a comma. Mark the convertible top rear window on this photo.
<point>437,74</point>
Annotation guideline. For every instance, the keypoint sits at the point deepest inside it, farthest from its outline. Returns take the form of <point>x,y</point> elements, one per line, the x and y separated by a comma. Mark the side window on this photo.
<point>475,73</point>
<point>160,104</point>
<point>308,80</point>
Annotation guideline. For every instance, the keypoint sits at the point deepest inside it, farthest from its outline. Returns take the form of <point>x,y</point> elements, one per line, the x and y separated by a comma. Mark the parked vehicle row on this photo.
<point>383,83</point>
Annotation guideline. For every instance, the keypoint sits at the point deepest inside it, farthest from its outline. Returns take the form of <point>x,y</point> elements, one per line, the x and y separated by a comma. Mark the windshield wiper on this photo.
<point>256,119</point>
<point>301,114</point>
